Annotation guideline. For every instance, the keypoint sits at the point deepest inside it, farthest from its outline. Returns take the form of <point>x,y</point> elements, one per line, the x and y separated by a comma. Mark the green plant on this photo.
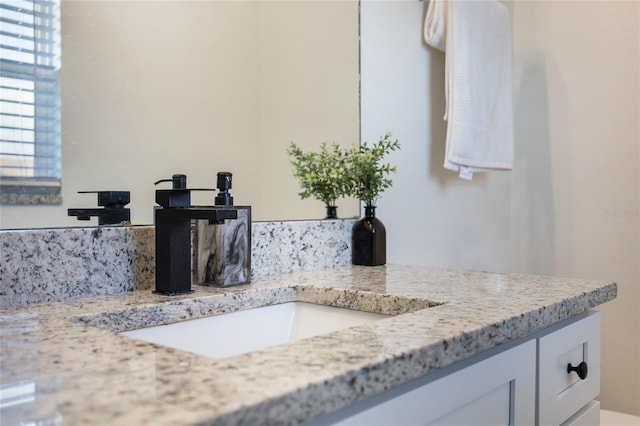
<point>369,178</point>
<point>323,175</point>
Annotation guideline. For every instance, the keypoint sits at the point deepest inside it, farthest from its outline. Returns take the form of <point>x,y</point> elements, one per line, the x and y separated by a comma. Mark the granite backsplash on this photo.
<point>46,265</point>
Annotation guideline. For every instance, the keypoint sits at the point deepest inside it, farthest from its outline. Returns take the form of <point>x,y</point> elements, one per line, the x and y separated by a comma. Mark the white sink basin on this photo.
<point>236,333</point>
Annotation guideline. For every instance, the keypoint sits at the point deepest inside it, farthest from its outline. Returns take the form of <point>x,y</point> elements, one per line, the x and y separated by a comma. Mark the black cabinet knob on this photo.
<point>581,369</point>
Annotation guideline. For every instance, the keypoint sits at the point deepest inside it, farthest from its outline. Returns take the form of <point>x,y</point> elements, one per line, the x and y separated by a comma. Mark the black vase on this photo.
<point>369,240</point>
<point>332,212</point>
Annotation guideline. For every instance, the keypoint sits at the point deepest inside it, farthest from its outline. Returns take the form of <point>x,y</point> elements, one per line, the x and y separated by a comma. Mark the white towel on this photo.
<point>476,36</point>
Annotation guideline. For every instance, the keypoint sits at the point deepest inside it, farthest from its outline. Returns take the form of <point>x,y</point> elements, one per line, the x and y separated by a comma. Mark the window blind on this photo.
<point>29,92</point>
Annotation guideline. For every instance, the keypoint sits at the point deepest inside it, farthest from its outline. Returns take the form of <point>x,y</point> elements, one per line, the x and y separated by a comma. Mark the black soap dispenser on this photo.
<point>222,255</point>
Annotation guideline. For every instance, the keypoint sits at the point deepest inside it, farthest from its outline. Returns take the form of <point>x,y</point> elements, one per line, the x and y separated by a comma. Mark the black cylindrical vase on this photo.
<point>332,212</point>
<point>369,240</point>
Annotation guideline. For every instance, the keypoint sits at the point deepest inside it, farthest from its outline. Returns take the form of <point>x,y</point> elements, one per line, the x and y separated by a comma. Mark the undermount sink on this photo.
<point>240,332</point>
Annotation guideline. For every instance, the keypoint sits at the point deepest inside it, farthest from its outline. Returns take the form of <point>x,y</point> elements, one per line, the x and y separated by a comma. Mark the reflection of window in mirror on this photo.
<point>30,102</point>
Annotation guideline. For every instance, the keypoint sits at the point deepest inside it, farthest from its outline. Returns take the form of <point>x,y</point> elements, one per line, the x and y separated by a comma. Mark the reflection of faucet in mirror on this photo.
<point>114,211</point>
<point>173,234</point>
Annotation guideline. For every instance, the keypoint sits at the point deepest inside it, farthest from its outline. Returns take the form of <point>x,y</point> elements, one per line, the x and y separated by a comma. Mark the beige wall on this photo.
<point>309,90</point>
<point>577,179</point>
<point>571,205</point>
<point>154,88</point>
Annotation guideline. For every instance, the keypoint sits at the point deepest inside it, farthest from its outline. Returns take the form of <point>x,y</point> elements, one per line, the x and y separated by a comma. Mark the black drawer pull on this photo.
<point>581,370</point>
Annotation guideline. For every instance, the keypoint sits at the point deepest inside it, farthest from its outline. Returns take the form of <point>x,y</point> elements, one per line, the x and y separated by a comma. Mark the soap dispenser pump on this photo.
<point>224,185</point>
<point>223,251</point>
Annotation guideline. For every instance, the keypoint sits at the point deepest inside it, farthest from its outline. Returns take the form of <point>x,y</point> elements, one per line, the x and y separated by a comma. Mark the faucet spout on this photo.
<point>212,214</point>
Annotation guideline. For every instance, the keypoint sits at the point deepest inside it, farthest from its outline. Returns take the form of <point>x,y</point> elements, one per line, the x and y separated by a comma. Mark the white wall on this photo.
<point>577,133</point>
<point>432,217</point>
<point>576,184</point>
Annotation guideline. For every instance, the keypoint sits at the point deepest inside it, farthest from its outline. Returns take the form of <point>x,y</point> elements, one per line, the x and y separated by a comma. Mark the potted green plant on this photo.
<point>369,179</point>
<point>322,175</point>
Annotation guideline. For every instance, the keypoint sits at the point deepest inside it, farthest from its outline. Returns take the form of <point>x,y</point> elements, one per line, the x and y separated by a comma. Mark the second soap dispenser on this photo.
<point>222,254</point>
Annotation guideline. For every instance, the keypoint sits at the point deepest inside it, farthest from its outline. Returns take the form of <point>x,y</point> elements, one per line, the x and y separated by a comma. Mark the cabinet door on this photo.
<point>563,393</point>
<point>499,390</point>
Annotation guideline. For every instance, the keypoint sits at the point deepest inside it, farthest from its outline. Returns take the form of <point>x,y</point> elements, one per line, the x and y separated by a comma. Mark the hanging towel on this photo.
<point>476,38</point>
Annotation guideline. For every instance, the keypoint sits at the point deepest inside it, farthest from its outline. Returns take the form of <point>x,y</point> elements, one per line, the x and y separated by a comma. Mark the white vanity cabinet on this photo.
<point>524,383</point>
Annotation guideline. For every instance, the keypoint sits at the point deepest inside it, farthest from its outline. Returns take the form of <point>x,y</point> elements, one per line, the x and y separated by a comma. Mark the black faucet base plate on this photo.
<point>173,293</point>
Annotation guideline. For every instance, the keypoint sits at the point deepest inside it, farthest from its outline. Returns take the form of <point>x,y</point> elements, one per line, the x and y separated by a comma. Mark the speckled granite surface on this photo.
<point>279,247</point>
<point>82,374</point>
<point>45,265</point>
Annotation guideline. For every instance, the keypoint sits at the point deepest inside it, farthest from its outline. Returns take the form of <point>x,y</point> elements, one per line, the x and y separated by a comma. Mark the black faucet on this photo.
<point>173,234</point>
<point>114,211</point>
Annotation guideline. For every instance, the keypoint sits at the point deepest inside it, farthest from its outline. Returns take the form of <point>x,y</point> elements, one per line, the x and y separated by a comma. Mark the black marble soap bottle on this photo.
<point>222,252</point>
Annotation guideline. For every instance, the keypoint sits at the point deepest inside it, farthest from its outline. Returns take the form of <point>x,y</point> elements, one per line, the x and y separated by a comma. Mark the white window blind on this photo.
<point>29,93</point>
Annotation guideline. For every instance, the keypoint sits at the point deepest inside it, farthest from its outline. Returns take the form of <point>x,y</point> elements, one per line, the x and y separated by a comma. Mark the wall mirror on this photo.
<point>152,88</point>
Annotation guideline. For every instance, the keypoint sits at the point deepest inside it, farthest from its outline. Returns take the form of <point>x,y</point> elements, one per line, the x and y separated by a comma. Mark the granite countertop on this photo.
<point>63,362</point>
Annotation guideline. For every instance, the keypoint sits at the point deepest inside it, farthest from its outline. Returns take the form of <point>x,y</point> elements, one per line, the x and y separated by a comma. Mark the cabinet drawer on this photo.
<point>562,393</point>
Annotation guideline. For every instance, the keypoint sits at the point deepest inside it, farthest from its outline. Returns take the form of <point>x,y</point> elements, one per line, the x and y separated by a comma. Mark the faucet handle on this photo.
<point>179,195</point>
<point>179,181</point>
<point>176,197</point>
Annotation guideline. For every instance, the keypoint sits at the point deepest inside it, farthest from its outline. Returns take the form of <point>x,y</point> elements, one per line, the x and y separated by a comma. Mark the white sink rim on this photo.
<point>253,329</point>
